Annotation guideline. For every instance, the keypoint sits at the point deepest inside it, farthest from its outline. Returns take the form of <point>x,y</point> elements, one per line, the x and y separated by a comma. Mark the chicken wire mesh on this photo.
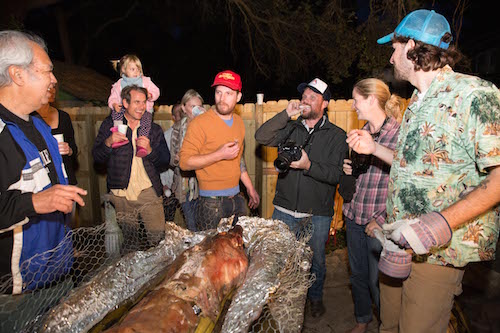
<point>284,309</point>
<point>96,249</point>
<point>205,213</point>
<point>20,312</point>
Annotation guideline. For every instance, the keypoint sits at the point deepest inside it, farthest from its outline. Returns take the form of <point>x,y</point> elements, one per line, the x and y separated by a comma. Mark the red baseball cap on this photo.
<point>229,79</point>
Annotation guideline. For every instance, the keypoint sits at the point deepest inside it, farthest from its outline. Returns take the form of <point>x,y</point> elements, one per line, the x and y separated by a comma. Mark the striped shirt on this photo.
<point>369,200</point>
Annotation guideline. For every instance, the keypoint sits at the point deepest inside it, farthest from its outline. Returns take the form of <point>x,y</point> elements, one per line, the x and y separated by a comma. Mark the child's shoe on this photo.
<point>141,152</point>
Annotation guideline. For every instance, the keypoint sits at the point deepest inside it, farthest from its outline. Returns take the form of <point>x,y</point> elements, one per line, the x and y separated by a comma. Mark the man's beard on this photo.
<point>223,112</point>
<point>400,73</point>
<point>312,115</point>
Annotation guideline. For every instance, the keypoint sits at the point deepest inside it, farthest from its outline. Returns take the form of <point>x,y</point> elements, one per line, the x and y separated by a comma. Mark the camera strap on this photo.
<point>309,135</point>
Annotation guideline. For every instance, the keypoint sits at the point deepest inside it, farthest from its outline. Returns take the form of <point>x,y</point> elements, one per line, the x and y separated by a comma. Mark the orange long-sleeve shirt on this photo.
<point>204,135</point>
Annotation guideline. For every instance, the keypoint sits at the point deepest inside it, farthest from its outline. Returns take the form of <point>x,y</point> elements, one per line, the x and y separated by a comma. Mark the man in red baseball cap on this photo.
<point>229,79</point>
<point>213,147</point>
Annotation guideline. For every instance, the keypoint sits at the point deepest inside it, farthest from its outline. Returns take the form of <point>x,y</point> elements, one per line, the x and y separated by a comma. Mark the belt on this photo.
<point>222,197</point>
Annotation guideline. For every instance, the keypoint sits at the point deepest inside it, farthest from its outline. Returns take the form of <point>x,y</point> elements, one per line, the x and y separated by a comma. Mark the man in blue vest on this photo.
<point>34,195</point>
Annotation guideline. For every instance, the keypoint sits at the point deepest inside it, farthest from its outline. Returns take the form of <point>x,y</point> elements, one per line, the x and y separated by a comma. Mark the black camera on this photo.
<point>360,163</point>
<point>288,152</point>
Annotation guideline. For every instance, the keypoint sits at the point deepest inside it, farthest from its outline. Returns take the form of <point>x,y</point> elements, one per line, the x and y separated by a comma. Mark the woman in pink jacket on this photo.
<point>130,69</point>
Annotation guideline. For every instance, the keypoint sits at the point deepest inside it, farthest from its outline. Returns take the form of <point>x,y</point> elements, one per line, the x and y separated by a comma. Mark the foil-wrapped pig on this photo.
<point>195,285</point>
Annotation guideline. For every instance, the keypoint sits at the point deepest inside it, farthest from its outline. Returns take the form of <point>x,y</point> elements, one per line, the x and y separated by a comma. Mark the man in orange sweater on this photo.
<point>213,147</point>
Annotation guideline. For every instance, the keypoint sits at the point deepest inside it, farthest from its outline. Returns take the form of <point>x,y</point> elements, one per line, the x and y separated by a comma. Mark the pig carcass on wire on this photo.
<point>197,282</point>
<point>277,279</point>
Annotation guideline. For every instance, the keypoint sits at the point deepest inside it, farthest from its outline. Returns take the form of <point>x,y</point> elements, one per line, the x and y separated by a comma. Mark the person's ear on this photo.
<point>410,45</point>
<point>371,99</point>
<point>239,97</point>
<point>17,74</point>
<point>125,103</point>
<point>324,105</point>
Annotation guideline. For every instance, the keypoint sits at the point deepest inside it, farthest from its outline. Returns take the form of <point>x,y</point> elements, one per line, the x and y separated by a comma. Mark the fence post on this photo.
<point>259,109</point>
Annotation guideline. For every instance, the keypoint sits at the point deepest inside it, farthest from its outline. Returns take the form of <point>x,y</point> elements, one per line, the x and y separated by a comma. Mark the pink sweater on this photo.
<point>116,90</point>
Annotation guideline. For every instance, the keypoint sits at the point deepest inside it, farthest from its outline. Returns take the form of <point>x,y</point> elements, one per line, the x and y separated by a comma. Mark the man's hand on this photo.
<point>58,198</point>
<point>371,227</point>
<point>65,149</point>
<point>361,142</point>
<point>393,261</point>
<point>115,137</point>
<point>420,234</point>
<point>254,198</point>
<point>292,109</point>
<point>144,142</point>
<point>229,150</point>
<point>347,167</point>
<point>304,162</point>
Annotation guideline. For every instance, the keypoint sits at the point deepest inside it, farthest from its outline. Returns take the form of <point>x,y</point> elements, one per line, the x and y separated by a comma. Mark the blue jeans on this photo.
<point>211,209</point>
<point>189,210</point>
<point>321,229</point>
<point>364,252</point>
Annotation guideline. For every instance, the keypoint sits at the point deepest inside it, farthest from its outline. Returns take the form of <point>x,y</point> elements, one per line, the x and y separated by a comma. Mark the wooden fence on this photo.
<point>259,159</point>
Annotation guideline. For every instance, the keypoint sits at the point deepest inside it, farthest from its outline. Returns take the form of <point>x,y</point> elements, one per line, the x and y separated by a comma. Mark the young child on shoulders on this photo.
<point>130,69</point>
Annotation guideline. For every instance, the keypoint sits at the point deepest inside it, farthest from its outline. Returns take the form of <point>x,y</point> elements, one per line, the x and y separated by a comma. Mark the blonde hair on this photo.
<point>121,65</point>
<point>190,94</point>
<point>390,103</point>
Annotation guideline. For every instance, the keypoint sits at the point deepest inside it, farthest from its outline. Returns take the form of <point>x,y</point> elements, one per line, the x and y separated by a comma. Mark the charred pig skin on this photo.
<point>203,275</point>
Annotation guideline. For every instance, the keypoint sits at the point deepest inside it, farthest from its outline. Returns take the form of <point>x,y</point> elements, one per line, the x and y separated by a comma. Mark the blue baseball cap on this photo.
<point>423,25</point>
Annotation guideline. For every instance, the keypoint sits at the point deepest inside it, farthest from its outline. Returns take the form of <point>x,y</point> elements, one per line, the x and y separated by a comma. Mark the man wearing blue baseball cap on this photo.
<point>444,188</point>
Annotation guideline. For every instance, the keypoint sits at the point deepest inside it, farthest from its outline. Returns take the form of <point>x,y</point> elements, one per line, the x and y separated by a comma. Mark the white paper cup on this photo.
<point>260,99</point>
<point>117,123</point>
<point>59,137</point>
<point>122,129</point>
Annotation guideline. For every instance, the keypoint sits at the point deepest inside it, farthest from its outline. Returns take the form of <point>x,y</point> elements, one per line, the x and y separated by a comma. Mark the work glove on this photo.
<point>420,234</point>
<point>394,261</point>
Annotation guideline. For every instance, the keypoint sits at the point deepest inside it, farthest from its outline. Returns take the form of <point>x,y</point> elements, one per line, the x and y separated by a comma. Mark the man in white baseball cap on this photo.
<point>311,151</point>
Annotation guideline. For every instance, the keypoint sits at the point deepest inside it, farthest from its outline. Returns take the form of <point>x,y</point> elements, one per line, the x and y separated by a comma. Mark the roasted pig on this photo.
<point>194,286</point>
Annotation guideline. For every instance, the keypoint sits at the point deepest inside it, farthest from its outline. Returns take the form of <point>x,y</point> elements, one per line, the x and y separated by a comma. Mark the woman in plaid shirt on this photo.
<point>366,210</point>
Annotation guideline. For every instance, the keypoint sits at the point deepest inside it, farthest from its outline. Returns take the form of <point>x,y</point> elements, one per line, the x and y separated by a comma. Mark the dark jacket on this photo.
<point>31,163</point>
<point>313,190</point>
<point>119,160</point>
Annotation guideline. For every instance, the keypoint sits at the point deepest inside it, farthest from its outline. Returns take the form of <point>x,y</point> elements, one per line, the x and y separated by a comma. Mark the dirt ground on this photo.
<point>479,302</point>
<point>339,316</point>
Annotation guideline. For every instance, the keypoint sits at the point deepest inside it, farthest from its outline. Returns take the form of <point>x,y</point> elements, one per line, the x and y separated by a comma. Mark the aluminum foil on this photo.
<point>88,304</point>
<point>270,247</point>
<point>269,244</point>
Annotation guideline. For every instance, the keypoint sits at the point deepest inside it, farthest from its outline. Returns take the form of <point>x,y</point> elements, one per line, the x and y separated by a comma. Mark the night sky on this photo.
<point>178,52</point>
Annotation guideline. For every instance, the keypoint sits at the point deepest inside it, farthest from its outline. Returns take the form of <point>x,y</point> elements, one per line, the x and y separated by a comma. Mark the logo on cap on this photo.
<point>226,76</point>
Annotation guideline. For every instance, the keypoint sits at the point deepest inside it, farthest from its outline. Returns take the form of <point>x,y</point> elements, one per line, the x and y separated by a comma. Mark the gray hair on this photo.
<point>15,50</point>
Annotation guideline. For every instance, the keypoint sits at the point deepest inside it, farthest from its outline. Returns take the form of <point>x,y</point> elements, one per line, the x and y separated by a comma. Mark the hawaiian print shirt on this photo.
<point>446,143</point>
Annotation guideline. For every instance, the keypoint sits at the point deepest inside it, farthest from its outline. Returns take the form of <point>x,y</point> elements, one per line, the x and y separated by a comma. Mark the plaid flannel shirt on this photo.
<point>369,200</point>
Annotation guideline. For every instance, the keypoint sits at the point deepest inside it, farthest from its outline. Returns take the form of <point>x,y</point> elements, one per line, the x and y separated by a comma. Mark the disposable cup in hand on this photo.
<point>303,107</point>
<point>117,123</point>
<point>59,137</point>
<point>122,129</point>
